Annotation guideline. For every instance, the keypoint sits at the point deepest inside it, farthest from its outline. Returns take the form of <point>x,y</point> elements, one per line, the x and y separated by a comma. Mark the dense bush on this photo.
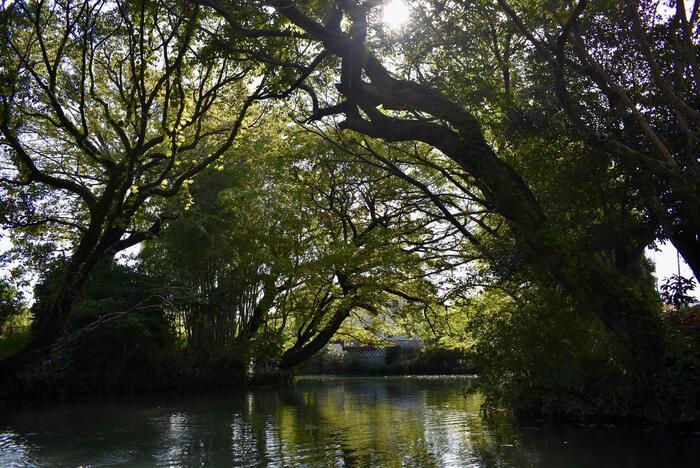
<point>10,303</point>
<point>541,357</point>
<point>14,319</point>
<point>118,335</point>
<point>122,337</point>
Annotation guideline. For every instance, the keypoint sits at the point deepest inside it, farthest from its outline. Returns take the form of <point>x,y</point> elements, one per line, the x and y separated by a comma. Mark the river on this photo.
<point>323,421</point>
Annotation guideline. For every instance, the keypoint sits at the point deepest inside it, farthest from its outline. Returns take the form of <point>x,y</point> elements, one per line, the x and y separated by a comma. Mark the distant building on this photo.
<point>376,355</point>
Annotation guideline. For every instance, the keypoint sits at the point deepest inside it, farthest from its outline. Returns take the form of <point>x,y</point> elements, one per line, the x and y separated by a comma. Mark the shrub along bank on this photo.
<point>430,360</point>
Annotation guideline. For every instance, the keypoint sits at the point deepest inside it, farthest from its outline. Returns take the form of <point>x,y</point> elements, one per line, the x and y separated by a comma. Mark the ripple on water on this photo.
<point>353,422</point>
<point>14,451</point>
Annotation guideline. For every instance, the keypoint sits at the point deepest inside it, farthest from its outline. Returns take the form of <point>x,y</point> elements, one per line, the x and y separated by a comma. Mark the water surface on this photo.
<point>321,422</point>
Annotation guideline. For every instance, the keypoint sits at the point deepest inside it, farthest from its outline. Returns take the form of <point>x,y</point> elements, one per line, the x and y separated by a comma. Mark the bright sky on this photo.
<point>666,262</point>
<point>395,14</point>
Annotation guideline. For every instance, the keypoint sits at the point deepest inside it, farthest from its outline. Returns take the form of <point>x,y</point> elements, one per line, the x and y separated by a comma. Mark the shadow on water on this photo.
<point>322,422</point>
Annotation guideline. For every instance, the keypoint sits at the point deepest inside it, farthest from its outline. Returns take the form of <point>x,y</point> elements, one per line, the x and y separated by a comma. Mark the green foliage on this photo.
<point>118,332</point>
<point>14,341</point>
<point>138,331</point>
<point>227,256</point>
<point>124,139</point>
<point>14,319</point>
<point>539,356</point>
<point>432,359</point>
<point>10,303</point>
<point>675,290</point>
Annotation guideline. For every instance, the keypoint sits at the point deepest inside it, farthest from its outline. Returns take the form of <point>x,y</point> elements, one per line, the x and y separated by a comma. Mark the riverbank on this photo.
<point>50,382</point>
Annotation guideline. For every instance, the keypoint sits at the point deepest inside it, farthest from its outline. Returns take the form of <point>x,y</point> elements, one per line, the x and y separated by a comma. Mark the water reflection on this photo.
<point>320,422</point>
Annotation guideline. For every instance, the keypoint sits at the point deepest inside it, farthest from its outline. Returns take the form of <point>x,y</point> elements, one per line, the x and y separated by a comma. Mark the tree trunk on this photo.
<point>685,237</point>
<point>602,290</point>
<point>301,351</point>
<point>454,131</point>
<point>90,251</point>
<point>687,243</point>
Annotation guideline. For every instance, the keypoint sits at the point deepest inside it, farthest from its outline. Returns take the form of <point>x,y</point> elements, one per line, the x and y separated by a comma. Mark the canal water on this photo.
<point>323,422</point>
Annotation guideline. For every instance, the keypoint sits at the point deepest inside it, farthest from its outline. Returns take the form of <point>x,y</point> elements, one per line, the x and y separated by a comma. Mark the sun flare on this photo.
<point>395,14</point>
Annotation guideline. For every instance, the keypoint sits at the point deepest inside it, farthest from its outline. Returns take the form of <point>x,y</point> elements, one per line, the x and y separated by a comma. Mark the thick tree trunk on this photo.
<point>685,237</point>
<point>687,243</point>
<point>303,350</point>
<point>678,213</point>
<point>600,289</point>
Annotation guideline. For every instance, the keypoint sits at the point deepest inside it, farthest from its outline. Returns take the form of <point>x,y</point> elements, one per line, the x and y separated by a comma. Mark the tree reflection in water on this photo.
<point>321,422</point>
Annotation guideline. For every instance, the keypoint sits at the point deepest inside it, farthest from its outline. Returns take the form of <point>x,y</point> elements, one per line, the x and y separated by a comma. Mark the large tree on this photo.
<point>263,281</point>
<point>396,104</point>
<point>107,109</point>
<point>374,239</point>
<point>627,75</point>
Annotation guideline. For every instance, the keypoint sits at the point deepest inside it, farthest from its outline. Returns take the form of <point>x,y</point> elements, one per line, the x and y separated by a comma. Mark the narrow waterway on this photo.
<point>402,421</point>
